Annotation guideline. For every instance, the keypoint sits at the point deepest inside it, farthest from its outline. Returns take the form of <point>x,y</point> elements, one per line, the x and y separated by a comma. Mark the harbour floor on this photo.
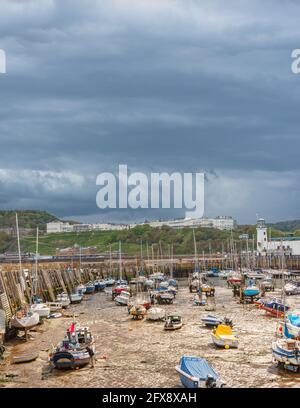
<point>142,354</point>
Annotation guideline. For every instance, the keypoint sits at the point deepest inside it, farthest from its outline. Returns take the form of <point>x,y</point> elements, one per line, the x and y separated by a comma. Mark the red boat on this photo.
<point>273,308</point>
<point>147,305</point>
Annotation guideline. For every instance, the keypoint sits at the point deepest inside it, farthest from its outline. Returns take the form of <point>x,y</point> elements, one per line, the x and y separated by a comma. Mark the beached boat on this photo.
<point>267,284</point>
<point>72,351</point>
<point>54,306</point>
<point>164,298</point>
<point>292,324</point>
<point>99,285</point>
<point>109,281</point>
<point>173,321</point>
<point>81,289</point>
<point>25,320</point>
<point>156,313</point>
<point>292,288</point>
<point>138,312</point>
<point>223,336</point>
<point>173,282</point>
<point>214,321</point>
<point>90,288</point>
<point>122,299</point>
<point>24,357</point>
<point>251,290</point>
<point>287,353</point>
<point>234,278</point>
<point>42,309</point>
<point>64,299</point>
<point>76,297</point>
<point>273,307</point>
<point>196,372</point>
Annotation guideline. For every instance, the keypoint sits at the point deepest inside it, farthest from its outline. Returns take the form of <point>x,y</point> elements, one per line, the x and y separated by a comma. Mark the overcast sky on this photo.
<point>160,85</point>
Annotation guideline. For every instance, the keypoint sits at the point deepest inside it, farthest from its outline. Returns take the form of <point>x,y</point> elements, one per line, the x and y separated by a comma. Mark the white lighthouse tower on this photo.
<point>262,236</point>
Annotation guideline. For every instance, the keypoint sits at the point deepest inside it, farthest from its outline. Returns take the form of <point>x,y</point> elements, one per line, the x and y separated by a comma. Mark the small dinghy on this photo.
<point>54,306</point>
<point>292,288</point>
<point>287,353</point>
<point>196,372</point>
<point>155,314</point>
<point>164,298</point>
<point>24,357</point>
<point>212,321</point>
<point>42,309</point>
<point>81,288</point>
<point>173,322</point>
<point>122,299</point>
<point>251,291</point>
<point>223,336</point>
<point>109,282</point>
<point>72,351</point>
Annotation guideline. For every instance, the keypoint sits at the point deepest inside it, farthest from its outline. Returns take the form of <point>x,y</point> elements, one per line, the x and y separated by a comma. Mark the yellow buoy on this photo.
<point>226,346</point>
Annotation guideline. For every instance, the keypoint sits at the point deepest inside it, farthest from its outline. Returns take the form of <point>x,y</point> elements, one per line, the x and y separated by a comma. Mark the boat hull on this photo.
<point>64,360</point>
<point>25,323</point>
<point>223,342</point>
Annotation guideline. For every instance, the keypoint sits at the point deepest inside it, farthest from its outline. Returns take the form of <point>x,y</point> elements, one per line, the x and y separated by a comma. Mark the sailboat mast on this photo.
<point>36,262</point>
<point>120,260</point>
<point>21,273</point>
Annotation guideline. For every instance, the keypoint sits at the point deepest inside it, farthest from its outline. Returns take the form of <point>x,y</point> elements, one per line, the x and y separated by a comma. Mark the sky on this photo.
<point>159,85</point>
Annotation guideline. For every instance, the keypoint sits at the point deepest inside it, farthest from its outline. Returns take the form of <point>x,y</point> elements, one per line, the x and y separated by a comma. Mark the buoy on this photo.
<point>226,346</point>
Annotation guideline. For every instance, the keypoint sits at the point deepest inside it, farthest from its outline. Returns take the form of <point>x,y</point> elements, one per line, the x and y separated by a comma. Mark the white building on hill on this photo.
<point>276,246</point>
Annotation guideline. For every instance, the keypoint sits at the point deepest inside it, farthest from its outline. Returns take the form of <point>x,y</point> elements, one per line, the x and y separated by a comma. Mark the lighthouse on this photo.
<point>262,236</point>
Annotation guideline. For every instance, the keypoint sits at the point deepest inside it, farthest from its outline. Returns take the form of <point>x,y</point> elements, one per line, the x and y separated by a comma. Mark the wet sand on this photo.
<point>141,354</point>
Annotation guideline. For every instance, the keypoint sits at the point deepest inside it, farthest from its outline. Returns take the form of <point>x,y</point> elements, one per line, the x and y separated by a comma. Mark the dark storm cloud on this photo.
<point>160,85</point>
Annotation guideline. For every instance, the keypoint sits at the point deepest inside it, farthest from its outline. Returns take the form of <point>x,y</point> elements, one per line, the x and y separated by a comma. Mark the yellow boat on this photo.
<point>223,336</point>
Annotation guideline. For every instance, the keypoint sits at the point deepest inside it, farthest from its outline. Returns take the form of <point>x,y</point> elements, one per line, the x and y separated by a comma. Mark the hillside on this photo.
<point>27,219</point>
<point>182,240</point>
<point>286,226</point>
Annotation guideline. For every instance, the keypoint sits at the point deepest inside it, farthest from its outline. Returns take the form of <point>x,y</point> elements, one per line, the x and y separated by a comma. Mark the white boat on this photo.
<point>223,336</point>
<point>109,282</point>
<point>25,320</point>
<point>42,309</point>
<point>292,288</point>
<point>287,352</point>
<point>64,299</point>
<point>76,297</point>
<point>81,288</point>
<point>54,306</point>
<point>155,313</point>
<point>122,300</point>
<point>173,321</point>
<point>149,283</point>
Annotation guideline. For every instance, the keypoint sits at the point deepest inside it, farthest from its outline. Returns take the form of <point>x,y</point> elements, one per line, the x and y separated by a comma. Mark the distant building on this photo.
<point>58,226</point>
<point>276,246</point>
<point>220,222</point>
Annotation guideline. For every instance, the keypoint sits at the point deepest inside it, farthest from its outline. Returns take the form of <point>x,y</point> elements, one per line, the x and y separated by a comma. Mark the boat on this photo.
<point>292,288</point>
<point>251,290</point>
<point>54,306</point>
<point>287,353</point>
<point>24,357</point>
<point>173,282</point>
<point>214,321</point>
<point>223,336</point>
<point>156,313</point>
<point>118,290</point>
<point>173,321</point>
<point>99,285</point>
<point>267,284</point>
<point>234,278</point>
<point>72,351</point>
<point>149,283</point>
<point>25,320</point>
<point>122,299</point>
<point>64,299</point>
<point>273,307</point>
<point>81,289</point>
<point>196,372</point>
<point>164,298</point>
<point>172,289</point>
<point>138,312</point>
<point>292,324</point>
<point>42,309</point>
<point>76,297</point>
<point>90,288</point>
<point>109,281</point>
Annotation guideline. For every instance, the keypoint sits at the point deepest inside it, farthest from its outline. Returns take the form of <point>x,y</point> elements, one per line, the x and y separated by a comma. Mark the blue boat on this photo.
<point>90,288</point>
<point>251,290</point>
<point>196,372</point>
<point>212,321</point>
<point>99,285</point>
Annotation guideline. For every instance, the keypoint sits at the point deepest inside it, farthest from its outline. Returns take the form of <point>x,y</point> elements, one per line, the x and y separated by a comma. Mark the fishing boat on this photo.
<point>287,353</point>
<point>64,299</point>
<point>99,285</point>
<point>42,309</point>
<point>76,297</point>
<point>273,307</point>
<point>196,372</point>
<point>90,288</point>
<point>72,351</point>
<point>54,306</point>
<point>25,320</point>
<point>155,314</point>
<point>223,336</point>
<point>173,322</point>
